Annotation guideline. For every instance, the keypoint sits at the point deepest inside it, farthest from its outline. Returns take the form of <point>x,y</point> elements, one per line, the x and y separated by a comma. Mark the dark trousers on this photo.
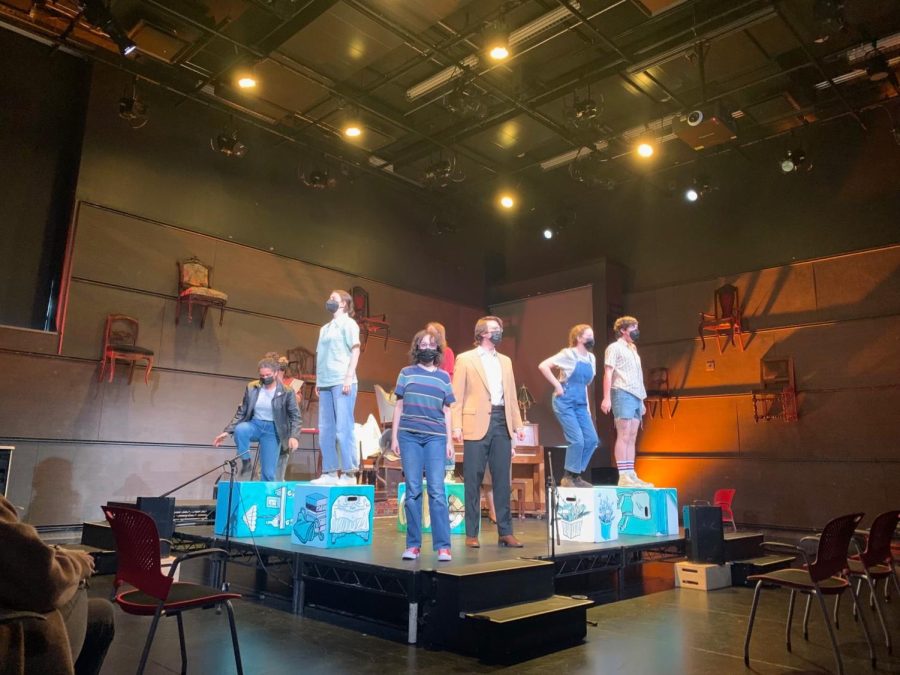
<point>495,451</point>
<point>90,624</point>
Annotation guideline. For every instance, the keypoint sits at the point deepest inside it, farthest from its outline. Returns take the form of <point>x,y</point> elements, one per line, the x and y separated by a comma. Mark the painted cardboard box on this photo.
<point>333,516</point>
<point>648,511</point>
<point>258,508</point>
<point>588,515</point>
<point>456,502</point>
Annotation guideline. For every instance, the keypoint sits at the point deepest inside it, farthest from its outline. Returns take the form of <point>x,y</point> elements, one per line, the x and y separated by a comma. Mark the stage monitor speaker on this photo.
<point>707,539</point>
<point>162,510</point>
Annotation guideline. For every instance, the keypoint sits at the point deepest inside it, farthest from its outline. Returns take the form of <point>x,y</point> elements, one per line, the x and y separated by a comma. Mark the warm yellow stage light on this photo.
<point>645,150</point>
<point>507,202</point>
<point>246,82</point>
<point>352,131</point>
<point>499,53</point>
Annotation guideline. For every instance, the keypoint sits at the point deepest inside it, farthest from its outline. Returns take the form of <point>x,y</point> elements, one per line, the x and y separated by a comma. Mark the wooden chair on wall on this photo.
<point>368,323</point>
<point>120,344</point>
<point>302,363</point>
<point>778,397</point>
<point>194,288</point>
<point>658,392</point>
<point>726,319</point>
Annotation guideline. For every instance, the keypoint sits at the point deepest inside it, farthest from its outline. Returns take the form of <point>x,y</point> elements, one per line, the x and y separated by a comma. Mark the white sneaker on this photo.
<point>626,479</point>
<point>347,479</point>
<point>640,482</point>
<point>330,478</point>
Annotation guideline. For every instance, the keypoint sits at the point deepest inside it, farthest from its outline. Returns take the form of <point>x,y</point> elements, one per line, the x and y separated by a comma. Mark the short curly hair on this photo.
<point>268,362</point>
<point>624,322</point>
<point>414,346</point>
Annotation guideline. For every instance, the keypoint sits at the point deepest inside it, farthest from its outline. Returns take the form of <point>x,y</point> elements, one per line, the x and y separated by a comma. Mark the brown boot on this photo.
<point>472,542</point>
<point>509,541</point>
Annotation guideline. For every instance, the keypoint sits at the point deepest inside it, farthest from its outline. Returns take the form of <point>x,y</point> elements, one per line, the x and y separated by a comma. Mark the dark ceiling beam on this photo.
<point>335,89</point>
<point>449,60</point>
<point>300,19</point>
<point>818,65</point>
<point>658,51</point>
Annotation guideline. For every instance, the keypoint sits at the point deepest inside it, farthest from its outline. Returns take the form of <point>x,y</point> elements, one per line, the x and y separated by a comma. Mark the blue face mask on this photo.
<point>635,335</point>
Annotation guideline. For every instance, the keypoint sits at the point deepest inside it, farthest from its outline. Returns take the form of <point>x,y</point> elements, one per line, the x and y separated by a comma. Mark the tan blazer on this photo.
<point>472,410</point>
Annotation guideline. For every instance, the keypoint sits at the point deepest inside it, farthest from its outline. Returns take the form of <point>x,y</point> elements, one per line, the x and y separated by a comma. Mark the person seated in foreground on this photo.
<point>52,581</point>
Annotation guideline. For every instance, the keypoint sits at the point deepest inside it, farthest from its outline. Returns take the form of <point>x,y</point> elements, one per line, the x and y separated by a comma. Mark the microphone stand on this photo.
<point>232,465</point>
<point>552,501</point>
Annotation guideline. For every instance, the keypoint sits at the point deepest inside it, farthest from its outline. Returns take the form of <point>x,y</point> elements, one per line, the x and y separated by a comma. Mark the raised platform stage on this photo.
<point>371,585</point>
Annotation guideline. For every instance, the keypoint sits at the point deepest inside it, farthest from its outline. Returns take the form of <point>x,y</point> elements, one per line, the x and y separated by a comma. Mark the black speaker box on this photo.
<point>707,539</point>
<point>162,510</point>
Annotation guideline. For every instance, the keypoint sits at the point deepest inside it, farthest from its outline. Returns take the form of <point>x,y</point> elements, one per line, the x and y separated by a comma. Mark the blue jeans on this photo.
<point>420,452</point>
<point>336,427</point>
<point>625,405</point>
<point>269,446</point>
<point>578,428</point>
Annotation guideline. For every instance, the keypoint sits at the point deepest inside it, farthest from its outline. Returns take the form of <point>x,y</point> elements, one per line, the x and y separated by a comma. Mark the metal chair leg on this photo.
<point>234,638</point>
<point>181,644</point>
<point>750,622</point>
<point>862,621</point>
<point>790,618</point>
<point>834,644</point>
<point>873,594</point>
<point>806,617</point>
<point>146,653</point>
<point>837,606</point>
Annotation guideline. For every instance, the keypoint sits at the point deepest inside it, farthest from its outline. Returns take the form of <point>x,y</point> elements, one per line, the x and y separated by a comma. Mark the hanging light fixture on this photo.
<point>496,39</point>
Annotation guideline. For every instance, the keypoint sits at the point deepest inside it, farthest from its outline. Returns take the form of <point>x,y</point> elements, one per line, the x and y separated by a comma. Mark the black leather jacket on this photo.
<point>285,411</point>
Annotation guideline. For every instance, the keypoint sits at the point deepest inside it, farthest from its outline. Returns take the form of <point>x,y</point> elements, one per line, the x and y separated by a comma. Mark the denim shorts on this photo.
<point>625,405</point>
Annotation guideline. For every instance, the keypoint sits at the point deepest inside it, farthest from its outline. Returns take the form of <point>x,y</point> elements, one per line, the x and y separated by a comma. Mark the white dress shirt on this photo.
<point>491,364</point>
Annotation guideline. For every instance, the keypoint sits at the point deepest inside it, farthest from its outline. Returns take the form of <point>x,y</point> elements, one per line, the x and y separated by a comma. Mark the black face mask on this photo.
<point>426,355</point>
<point>497,337</point>
<point>269,379</point>
<point>588,344</point>
<point>332,306</point>
<point>635,335</point>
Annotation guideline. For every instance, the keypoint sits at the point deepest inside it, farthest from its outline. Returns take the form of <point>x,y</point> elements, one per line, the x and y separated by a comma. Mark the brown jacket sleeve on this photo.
<point>33,576</point>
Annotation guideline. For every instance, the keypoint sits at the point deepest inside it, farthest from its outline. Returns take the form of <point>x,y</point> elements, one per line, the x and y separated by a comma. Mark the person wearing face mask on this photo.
<point>624,394</point>
<point>268,414</point>
<point>571,403</point>
<point>420,434</point>
<point>485,417</point>
<point>337,355</point>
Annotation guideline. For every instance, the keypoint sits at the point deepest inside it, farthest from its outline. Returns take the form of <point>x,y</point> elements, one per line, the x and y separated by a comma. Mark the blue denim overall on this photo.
<point>575,418</point>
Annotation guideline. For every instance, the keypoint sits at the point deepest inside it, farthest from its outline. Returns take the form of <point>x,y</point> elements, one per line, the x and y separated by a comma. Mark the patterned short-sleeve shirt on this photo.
<point>627,373</point>
<point>424,393</point>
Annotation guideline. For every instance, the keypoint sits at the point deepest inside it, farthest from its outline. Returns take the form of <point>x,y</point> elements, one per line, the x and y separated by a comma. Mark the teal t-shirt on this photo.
<point>336,341</point>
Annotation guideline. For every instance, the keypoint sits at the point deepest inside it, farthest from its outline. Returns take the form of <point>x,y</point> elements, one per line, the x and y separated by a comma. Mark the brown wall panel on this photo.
<point>799,494</point>
<point>119,249</point>
<point>862,284</point>
<point>49,397</point>
<point>28,340</point>
<point>705,425</point>
<point>777,296</point>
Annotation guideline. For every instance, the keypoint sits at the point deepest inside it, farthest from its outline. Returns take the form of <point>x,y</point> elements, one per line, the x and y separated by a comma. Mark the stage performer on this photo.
<point>624,394</point>
<point>571,402</point>
<point>337,355</point>
<point>485,417</point>
<point>268,414</point>
<point>52,581</point>
<point>420,434</point>
<point>448,361</point>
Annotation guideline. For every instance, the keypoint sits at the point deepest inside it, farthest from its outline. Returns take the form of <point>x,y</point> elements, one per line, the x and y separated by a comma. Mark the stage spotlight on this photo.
<point>507,201</point>
<point>496,40</point>
<point>828,17</point>
<point>548,233</point>
<point>645,149</point>
<point>691,194</point>
<point>466,101</point>
<point>352,131</point>
<point>97,14</point>
<point>793,160</point>
<point>132,109</point>
<point>246,79</point>
<point>442,172</point>
<point>228,144</point>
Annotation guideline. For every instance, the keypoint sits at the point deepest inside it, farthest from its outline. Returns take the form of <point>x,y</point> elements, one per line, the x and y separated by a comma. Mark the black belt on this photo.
<point>497,408</point>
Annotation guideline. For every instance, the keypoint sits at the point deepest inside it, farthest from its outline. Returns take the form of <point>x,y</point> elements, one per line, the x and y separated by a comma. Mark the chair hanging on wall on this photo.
<point>302,363</point>
<point>368,323</point>
<point>658,392</point>
<point>726,320</point>
<point>195,288</point>
<point>777,400</point>
<point>120,344</point>
<point>153,593</point>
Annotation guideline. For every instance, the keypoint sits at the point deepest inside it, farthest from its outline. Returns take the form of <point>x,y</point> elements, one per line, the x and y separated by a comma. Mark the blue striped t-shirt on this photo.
<point>424,394</point>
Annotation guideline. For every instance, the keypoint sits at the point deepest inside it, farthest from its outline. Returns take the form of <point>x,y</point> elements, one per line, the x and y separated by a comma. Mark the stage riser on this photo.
<point>517,640</point>
<point>741,569</point>
<point>475,592</point>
